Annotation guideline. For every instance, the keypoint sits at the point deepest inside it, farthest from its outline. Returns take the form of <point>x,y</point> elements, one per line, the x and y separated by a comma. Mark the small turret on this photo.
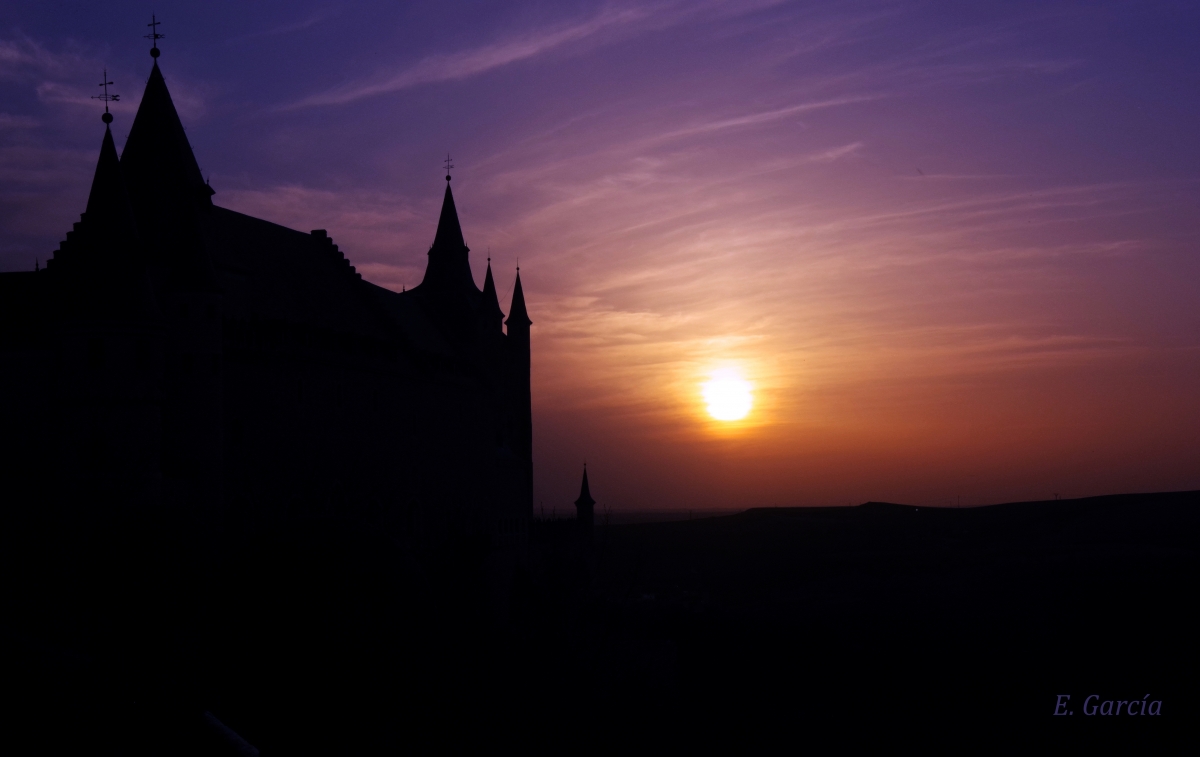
<point>102,259</point>
<point>490,313</point>
<point>585,505</point>
<point>518,318</point>
<point>108,214</point>
<point>109,340</point>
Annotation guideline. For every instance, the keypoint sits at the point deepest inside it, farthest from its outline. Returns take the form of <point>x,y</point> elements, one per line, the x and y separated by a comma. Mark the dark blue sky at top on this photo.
<point>252,60</point>
<point>865,205</point>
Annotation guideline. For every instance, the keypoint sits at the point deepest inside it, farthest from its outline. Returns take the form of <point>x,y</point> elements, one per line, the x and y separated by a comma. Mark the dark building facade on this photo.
<point>182,357</point>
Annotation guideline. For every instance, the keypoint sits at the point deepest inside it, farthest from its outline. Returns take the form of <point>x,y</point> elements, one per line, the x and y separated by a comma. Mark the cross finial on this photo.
<point>106,98</point>
<point>449,165</point>
<point>154,36</point>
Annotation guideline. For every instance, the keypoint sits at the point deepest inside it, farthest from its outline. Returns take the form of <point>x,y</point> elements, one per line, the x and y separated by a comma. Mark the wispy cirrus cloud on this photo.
<point>612,19</point>
<point>58,92</point>
<point>23,56</point>
<point>9,121</point>
<point>754,119</point>
<point>467,63</point>
<point>307,22</point>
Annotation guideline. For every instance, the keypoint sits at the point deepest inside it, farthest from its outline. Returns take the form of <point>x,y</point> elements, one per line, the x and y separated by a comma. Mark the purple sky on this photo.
<point>952,245</point>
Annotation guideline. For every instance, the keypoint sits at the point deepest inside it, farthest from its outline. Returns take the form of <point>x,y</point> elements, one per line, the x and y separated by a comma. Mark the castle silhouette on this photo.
<point>177,355</point>
<point>226,452</point>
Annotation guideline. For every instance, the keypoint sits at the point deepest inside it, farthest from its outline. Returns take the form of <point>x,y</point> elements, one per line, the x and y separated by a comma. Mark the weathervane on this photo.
<point>154,36</point>
<point>449,165</point>
<point>106,98</point>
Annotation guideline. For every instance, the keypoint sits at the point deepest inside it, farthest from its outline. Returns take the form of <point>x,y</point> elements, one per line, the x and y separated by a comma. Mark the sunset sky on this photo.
<point>953,247</point>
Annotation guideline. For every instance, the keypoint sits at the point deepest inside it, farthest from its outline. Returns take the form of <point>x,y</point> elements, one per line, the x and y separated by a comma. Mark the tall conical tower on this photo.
<point>172,205</point>
<point>449,270</point>
<point>448,290</point>
<point>585,505</point>
<point>518,369</point>
<point>168,193</point>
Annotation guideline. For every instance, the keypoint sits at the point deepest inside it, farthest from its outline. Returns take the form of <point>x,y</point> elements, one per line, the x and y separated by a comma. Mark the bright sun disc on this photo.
<point>728,396</point>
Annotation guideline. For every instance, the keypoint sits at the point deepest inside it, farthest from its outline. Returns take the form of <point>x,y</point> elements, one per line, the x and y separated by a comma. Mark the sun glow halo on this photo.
<point>729,397</point>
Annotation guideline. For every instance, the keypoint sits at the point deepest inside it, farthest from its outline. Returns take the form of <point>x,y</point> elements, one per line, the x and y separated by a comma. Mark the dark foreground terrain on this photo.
<point>782,626</point>
<point>890,616</point>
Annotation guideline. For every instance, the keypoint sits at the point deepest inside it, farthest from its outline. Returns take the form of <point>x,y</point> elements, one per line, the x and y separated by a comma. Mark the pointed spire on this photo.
<point>168,192</point>
<point>449,233</point>
<point>108,221</point>
<point>449,270</point>
<point>103,263</point>
<point>585,494</point>
<point>158,159</point>
<point>491,311</point>
<point>517,316</point>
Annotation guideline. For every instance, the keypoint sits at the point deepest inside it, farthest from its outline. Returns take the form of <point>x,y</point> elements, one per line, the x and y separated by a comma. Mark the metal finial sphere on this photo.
<point>447,177</point>
<point>106,118</point>
<point>154,52</point>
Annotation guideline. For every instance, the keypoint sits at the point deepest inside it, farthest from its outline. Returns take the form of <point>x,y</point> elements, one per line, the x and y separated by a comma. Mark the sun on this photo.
<point>728,395</point>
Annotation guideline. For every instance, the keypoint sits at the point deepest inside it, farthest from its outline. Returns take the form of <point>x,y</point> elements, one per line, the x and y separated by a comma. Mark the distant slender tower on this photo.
<point>522,406</point>
<point>585,505</point>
